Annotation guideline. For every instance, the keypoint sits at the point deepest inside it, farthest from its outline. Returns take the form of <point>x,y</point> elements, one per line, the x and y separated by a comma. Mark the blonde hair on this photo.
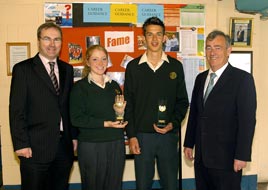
<point>89,53</point>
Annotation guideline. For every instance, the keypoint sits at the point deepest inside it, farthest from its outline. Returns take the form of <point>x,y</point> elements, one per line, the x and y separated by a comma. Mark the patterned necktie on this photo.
<point>210,86</point>
<point>53,77</point>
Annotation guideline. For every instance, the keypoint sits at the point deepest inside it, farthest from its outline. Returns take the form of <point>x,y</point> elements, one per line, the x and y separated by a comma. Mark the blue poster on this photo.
<point>97,13</point>
<point>148,10</point>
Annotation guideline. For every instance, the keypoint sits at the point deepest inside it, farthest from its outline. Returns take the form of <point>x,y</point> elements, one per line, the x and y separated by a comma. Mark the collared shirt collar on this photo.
<point>218,74</point>
<point>45,60</point>
<point>106,79</point>
<point>219,71</point>
<point>144,59</point>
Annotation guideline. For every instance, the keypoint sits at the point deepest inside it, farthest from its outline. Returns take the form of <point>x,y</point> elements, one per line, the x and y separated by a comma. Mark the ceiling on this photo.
<point>253,7</point>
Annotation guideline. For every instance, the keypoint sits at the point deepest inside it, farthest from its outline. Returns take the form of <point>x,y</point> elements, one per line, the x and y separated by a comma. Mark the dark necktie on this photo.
<point>53,77</point>
<point>210,86</point>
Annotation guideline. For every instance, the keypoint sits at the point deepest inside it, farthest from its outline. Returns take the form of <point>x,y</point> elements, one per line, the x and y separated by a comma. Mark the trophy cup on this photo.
<point>119,103</point>
<point>162,113</point>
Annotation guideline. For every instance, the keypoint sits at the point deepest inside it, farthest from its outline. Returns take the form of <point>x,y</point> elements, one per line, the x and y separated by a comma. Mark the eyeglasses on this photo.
<point>49,40</point>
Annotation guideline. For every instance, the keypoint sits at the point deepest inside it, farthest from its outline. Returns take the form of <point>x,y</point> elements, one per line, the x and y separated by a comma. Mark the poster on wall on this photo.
<point>119,41</point>
<point>59,13</point>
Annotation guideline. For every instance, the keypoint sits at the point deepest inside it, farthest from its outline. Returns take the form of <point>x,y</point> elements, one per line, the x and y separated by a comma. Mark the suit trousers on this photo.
<point>164,150</point>
<point>216,179</point>
<point>52,175</point>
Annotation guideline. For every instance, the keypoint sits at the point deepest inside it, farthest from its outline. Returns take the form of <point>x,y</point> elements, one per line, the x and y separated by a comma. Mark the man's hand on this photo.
<point>163,130</point>
<point>115,124</point>
<point>188,152</point>
<point>134,146</point>
<point>25,152</point>
<point>239,165</point>
<point>75,143</point>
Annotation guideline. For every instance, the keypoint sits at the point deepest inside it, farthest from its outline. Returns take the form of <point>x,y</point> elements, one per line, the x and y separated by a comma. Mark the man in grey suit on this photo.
<point>221,128</point>
<point>41,131</point>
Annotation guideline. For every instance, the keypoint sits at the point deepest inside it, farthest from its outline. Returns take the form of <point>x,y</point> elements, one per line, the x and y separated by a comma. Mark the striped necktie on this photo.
<point>210,86</point>
<point>53,77</point>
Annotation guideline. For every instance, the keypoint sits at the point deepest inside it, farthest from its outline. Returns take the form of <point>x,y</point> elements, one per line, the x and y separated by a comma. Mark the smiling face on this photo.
<point>217,52</point>
<point>154,38</point>
<point>50,43</point>
<point>97,62</point>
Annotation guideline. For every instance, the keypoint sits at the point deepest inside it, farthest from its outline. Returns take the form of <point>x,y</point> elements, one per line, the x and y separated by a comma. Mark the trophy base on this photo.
<point>121,119</point>
<point>161,124</point>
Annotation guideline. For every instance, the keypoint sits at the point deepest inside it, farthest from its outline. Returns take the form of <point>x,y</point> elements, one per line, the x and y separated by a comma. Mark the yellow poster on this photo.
<point>123,13</point>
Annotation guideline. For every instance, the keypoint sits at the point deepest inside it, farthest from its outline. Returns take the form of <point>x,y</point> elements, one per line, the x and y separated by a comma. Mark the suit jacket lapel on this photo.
<point>220,83</point>
<point>217,89</point>
<point>222,80</point>
<point>42,73</point>
<point>202,82</point>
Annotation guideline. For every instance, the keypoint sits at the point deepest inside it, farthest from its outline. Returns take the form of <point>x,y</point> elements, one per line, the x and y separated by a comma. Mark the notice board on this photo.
<point>110,24</point>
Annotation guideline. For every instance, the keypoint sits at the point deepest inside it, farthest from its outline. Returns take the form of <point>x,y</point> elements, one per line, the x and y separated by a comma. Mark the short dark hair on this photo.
<point>212,35</point>
<point>48,25</point>
<point>152,21</point>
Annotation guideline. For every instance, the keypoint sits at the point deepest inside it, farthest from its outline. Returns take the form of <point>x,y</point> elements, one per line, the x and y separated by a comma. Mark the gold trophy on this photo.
<point>119,104</point>
<point>162,113</point>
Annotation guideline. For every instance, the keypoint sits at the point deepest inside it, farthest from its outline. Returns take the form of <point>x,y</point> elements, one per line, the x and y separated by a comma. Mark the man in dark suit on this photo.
<point>221,128</point>
<point>39,115</point>
<point>240,34</point>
